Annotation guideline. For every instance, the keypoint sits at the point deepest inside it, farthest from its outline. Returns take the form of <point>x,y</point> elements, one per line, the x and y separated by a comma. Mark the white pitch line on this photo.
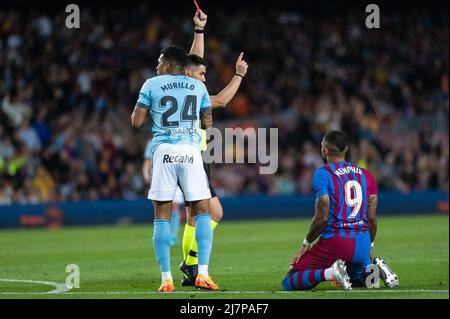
<point>230,292</point>
<point>265,292</point>
<point>59,288</point>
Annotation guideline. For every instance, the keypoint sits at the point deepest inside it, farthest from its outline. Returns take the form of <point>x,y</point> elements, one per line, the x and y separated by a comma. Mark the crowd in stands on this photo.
<point>66,96</point>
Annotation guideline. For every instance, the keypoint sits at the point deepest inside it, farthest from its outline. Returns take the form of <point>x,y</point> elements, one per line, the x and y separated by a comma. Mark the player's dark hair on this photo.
<point>175,55</point>
<point>194,59</point>
<point>337,139</point>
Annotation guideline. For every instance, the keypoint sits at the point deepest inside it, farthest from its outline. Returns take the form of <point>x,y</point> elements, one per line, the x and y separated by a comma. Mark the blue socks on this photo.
<point>204,237</point>
<point>174,227</point>
<point>161,243</point>
<point>162,237</point>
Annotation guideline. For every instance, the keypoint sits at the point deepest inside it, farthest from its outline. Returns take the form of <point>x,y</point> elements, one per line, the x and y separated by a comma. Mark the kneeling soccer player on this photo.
<point>345,219</point>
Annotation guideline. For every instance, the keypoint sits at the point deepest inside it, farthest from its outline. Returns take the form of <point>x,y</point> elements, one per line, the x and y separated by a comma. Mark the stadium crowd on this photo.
<point>66,96</point>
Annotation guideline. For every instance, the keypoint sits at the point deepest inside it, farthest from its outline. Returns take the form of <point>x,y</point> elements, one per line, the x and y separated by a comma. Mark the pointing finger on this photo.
<point>240,57</point>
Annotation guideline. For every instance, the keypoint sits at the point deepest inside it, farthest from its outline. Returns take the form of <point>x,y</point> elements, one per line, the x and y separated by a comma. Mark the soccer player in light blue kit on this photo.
<point>178,200</point>
<point>176,104</point>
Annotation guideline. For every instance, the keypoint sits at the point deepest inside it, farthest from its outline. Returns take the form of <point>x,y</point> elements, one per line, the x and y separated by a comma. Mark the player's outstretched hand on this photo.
<point>241,65</point>
<point>299,254</point>
<point>200,19</point>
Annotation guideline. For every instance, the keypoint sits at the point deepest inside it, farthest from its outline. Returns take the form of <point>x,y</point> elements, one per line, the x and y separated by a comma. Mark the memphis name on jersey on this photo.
<point>347,170</point>
<point>348,187</point>
<point>175,102</point>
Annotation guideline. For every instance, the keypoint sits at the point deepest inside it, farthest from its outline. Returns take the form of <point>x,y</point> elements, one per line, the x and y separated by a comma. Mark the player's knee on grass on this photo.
<point>286,284</point>
<point>296,281</point>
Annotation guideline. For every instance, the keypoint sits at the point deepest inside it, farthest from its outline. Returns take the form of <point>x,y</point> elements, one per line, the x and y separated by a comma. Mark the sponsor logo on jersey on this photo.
<point>180,130</point>
<point>358,223</point>
<point>347,170</point>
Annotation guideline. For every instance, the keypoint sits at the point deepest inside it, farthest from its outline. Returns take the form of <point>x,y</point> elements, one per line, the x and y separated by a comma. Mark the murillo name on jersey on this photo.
<point>177,85</point>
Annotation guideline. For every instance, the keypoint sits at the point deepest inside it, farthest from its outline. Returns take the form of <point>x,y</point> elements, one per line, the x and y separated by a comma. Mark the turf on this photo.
<point>249,260</point>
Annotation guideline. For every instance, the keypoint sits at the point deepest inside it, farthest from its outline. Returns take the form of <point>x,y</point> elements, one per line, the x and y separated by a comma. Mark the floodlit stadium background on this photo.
<point>69,157</point>
<point>66,96</point>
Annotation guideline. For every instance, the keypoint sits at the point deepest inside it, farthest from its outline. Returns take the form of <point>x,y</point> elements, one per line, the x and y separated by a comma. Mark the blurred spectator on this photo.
<point>29,137</point>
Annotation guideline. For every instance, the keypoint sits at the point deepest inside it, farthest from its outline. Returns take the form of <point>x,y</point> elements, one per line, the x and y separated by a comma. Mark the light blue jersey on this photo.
<point>175,102</point>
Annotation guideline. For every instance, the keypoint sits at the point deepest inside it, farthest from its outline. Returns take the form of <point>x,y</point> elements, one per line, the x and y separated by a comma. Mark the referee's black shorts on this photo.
<point>207,168</point>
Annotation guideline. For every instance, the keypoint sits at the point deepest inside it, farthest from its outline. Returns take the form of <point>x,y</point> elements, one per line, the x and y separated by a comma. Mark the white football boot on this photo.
<point>340,276</point>
<point>389,277</point>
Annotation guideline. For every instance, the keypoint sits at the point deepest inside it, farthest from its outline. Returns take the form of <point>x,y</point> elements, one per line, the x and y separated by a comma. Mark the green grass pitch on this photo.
<point>249,260</point>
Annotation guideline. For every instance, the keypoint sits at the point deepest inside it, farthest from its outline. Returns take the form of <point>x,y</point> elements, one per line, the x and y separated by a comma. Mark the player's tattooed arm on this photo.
<point>320,218</point>
<point>206,119</point>
<point>372,216</point>
<point>198,45</point>
<point>140,116</point>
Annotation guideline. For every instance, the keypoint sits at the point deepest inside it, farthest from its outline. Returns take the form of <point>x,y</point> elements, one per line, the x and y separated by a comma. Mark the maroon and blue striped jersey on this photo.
<point>349,188</point>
